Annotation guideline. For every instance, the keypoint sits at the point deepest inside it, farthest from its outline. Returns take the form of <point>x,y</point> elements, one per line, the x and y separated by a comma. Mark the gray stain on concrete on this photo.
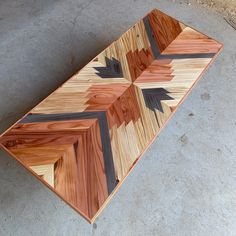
<point>184,139</point>
<point>205,96</point>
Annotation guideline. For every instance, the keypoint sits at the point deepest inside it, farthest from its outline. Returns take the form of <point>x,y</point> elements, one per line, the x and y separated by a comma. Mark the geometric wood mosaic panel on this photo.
<point>84,138</point>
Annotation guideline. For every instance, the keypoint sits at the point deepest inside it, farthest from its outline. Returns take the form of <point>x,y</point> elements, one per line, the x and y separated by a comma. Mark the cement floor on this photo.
<point>186,182</point>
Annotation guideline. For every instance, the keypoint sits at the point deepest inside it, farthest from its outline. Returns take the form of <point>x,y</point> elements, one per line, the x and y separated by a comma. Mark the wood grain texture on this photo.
<point>84,138</point>
<point>190,41</point>
<point>74,150</point>
<point>165,28</point>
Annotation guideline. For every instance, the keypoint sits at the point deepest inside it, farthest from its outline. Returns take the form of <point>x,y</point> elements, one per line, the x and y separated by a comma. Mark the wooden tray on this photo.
<point>83,139</point>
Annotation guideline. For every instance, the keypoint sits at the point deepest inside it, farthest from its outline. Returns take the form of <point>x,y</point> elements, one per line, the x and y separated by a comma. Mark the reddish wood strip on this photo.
<point>190,41</point>
<point>158,71</point>
<point>138,61</point>
<point>84,138</point>
<point>164,27</point>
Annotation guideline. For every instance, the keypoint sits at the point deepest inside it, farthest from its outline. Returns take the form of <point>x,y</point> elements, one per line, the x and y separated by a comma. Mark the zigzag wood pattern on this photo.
<point>84,138</point>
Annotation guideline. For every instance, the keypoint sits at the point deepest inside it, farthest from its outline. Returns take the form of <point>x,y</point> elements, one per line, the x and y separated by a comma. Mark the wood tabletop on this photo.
<point>83,139</point>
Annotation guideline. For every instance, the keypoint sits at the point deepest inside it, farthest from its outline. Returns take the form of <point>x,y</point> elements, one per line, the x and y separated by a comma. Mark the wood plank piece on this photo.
<point>83,140</point>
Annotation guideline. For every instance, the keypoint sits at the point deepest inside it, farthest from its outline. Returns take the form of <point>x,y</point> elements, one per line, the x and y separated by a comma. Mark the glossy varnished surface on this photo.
<point>84,138</point>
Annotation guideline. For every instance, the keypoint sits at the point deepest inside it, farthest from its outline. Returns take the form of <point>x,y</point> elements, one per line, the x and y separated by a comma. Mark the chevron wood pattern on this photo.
<point>84,138</point>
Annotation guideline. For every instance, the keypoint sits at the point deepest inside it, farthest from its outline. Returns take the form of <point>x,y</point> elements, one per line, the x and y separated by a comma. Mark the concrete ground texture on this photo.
<point>185,184</point>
